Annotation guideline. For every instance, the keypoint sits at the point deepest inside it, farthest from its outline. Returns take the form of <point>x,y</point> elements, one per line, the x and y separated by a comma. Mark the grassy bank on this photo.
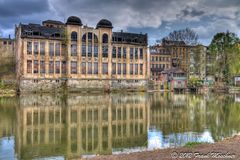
<point>7,89</point>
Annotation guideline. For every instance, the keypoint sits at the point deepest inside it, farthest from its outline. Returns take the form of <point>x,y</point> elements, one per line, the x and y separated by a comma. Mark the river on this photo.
<point>84,125</point>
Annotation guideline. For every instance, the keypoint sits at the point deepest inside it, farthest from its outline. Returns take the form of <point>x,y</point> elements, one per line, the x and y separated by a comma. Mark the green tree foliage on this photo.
<point>225,50</point>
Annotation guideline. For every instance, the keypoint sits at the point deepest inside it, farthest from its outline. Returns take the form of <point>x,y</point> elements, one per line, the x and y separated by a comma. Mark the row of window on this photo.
<point>7,42</point>
<point>36,66</point>
<point>161,66</point>
<point>87,50</point>
<point>89,37</point>
<point>39,47</point>
<point>161,59</point>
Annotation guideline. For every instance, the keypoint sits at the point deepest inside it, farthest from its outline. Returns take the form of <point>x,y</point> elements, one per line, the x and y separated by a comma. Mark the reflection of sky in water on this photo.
<point>51,158</point>
<point>7,148</point>
<point>157,140</point>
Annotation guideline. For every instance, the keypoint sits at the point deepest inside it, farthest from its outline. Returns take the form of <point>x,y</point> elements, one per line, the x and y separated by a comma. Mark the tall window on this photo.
<point>51,67</point>
<point>64,67</point>
<point>36,48</point>
<point>51,49</point>
<point>119,52</point>
<point>105,51</point>
<point>73,67</point>
<point>95,68</point>
<point>57,67</point>
<point>113,68</point>
<point>29,47</point>
<point>89,67</point>
<point>141,69</point>
<point>105,45</point>
<point>114,52</point>
<point>124,69</point>
<point>95,46</point>
<point>105,38</point>
<point>57,49</point>
<point>42,48</point>
<point>136,53</point>
<point>73,49</point>
<point>42,66</point>
<point>35,66</point>
<point>124,52</point>
<point>95,50</point>
<point>83,66</point>
<point>141,53</point>
<point>83,50</point>
<point>90,49</point>
<point>74,36</point>
<point>131,68</point>
<point>119,68</point>
<point>29,66</point>
<point>84,45</point>
<point>136,69</point>
<point>131,53</point>
<point>105,68</point>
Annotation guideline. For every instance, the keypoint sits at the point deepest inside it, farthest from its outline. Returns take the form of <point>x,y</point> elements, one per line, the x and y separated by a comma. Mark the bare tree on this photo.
<point>189,36</point>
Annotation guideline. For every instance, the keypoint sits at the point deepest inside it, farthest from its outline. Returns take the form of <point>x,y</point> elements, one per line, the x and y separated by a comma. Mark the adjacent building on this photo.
<point>69,55</point>
<point>6,47</point>
<point>167,55</point>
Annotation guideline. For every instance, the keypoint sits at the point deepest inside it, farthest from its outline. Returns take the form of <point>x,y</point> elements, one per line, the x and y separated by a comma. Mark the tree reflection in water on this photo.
<point>74,125</point>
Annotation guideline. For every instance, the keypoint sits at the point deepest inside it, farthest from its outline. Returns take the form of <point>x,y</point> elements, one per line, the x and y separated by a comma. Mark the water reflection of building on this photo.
<point>177,117</point>
<point>77,125</point>
<point>7,121</point>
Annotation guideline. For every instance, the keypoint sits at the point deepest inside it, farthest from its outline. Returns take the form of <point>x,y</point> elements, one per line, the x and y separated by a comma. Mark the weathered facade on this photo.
<point>7,59</point>
<point>71,56</point>
<point>173,79</point>
<point>167,55</point>
<point>6,47</point>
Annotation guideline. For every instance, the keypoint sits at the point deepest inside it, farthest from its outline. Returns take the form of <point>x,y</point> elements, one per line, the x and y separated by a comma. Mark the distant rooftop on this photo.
<point>130,38</point>
<point>53,22</point>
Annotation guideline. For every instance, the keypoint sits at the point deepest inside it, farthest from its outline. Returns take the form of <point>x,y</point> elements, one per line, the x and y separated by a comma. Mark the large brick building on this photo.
<point>167,55</point>
<point>56,54</point>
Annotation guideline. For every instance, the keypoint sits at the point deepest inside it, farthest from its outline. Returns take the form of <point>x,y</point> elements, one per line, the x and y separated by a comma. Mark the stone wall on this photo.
<point>81,85</point>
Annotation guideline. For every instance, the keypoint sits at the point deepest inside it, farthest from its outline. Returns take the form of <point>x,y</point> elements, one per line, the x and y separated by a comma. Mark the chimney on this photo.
<point>9,36</point>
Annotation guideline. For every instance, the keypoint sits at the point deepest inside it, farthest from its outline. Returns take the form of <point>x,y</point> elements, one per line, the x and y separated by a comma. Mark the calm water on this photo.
<point>71,126</point>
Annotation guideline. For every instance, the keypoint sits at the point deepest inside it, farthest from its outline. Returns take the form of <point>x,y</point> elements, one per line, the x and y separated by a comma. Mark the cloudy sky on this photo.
<point>155,17</point>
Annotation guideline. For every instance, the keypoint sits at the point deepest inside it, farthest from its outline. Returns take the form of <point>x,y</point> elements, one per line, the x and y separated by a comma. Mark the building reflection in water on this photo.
<point>75,125</point>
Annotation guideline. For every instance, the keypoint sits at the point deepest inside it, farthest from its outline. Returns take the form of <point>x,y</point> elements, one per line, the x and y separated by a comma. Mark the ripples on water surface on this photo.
<point>57,126</point>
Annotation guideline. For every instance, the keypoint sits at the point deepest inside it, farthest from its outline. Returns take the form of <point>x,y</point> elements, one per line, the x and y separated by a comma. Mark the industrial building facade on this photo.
<point>56,55</point>
<point>169,54</point>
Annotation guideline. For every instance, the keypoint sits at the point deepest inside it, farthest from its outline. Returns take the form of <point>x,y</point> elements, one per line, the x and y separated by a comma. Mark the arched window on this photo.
<point>74,36</point>
<point>105,38</point>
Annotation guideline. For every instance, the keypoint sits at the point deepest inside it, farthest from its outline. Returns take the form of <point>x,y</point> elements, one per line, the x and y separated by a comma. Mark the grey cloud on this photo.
<point>192,12</point>
<point>10,8</point>
<point>125,14</point>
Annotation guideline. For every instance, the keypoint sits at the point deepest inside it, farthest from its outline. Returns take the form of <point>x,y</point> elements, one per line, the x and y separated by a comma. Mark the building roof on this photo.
<point>38,31</point>
<point>53,22</point>
<point>74,20</point>
<point>159,50</point>
<point>104,23</point>
<point>6,39</point>
<point>173,43</point>
<point>130,38</point>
